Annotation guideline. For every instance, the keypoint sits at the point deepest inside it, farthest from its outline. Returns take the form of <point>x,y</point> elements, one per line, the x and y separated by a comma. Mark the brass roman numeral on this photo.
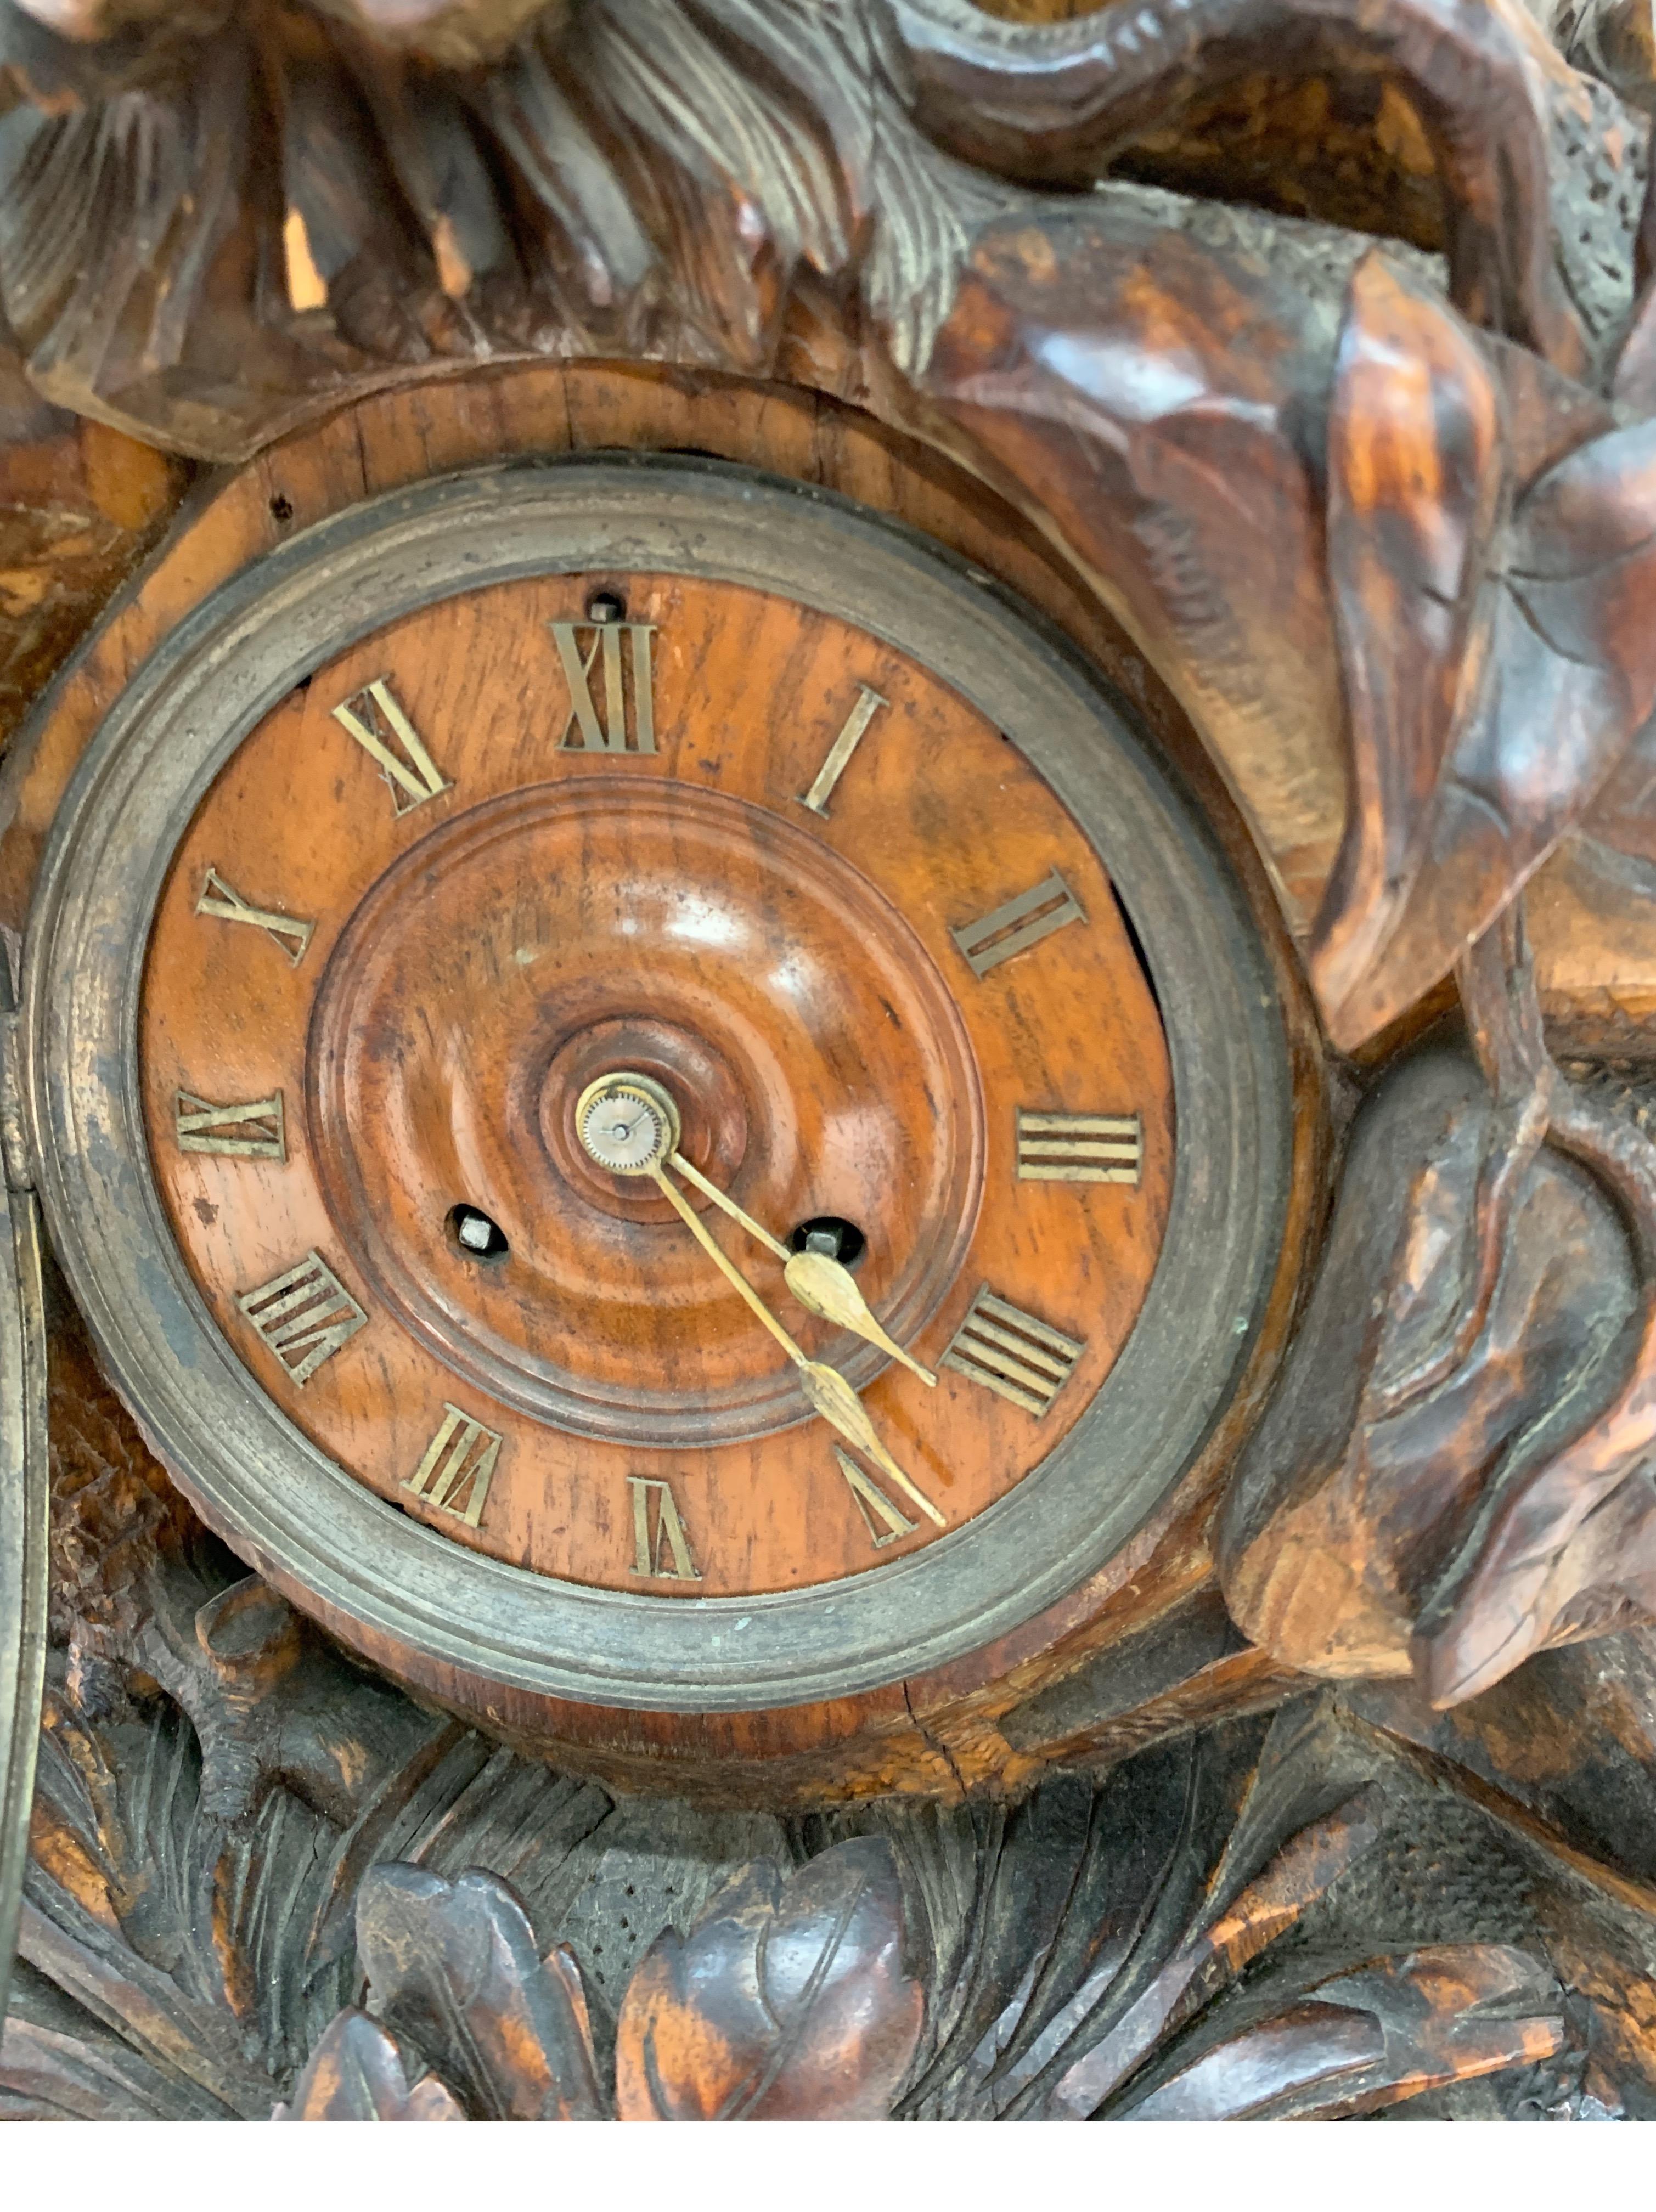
<point>375,717</point>
<point>303,1316</point>
<point>222,903</point>
<point>458,1467</point>
<point>884,1522</point>
<point>869,704</point>
<point>253,1131</point>
<point>658,1526</point>
<point>611,736</point>
<point>1078,1147</point>
<point>1009,1351</point>
<point>1021,922</point>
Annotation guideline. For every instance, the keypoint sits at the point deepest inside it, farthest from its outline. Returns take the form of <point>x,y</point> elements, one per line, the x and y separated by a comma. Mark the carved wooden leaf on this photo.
<point>1416,456</point>
<point>1370,2037</point>
<point>452,1967</point>
<point>356,2072</point>
<point>789,2001</point>
<point>1350,1500</point>
<point>1537,687</point>
<point>1212,1952</point>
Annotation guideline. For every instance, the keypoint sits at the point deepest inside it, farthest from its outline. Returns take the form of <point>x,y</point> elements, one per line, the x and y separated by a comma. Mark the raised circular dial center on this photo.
<point>627,1124</point>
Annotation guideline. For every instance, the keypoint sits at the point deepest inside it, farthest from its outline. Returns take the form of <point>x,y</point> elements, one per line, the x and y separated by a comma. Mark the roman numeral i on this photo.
<point>375,717</point>
<point>303,1316</point>
<point>610,736</point>
<point>1010,1352</point>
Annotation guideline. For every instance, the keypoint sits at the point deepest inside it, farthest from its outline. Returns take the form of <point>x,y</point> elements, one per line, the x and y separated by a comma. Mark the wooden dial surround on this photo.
<point>454,1608</point>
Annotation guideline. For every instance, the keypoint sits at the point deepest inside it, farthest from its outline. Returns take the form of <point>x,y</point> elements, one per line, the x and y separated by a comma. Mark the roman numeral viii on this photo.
<point>375,717</point>
<point>579,660</point>
<point>1021,922</point>
<point>1078,1147</point>
<point>458,1467</point>
<point>658,1533</point>
<point>253,1131</point>
<point>303,1316</point>
<point>1010,1352</point>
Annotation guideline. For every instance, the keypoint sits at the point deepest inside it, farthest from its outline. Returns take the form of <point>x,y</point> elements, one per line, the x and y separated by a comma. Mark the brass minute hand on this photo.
<point>829,1392</point>
<point>822,1286</point>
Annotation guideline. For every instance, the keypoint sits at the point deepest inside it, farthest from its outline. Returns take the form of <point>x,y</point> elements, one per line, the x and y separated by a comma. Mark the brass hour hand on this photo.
<point>822,1286</point>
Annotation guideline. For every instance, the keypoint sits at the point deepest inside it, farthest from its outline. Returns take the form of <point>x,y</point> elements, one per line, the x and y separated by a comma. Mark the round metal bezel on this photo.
<point>299,1517</point>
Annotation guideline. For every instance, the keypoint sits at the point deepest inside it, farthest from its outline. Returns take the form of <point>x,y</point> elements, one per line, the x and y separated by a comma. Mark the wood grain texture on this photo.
<point>934,1736</point>
<point>479,958</point>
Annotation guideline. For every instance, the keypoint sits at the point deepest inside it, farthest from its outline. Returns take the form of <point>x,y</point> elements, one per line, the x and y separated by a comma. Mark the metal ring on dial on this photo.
<point>628,1123</point>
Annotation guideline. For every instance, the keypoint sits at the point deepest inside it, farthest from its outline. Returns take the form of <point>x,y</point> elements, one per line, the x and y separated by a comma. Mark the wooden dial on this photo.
<point>559,830</point>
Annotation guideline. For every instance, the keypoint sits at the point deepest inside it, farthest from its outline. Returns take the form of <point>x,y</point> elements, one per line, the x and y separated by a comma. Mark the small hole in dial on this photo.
<point>606,607</point>
<point>834,1238</point>
<point>476,1235</point>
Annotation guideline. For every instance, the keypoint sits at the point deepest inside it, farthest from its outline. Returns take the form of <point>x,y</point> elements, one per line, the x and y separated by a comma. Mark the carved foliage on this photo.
<point>1491,686</point>
<point>789,2002</point>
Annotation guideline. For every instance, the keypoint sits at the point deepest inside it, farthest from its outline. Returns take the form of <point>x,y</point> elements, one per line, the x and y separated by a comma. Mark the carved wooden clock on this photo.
<point>655,1098</point>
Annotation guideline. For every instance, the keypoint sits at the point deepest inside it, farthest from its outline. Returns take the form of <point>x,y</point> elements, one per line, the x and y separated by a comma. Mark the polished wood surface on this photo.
<point>553,915</point>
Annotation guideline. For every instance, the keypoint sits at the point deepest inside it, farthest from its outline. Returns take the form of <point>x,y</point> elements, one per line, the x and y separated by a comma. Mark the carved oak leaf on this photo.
<point>357,2073</point>
<point>789,2000</point>
<point>452,1968</point>
<point>1489,700</point>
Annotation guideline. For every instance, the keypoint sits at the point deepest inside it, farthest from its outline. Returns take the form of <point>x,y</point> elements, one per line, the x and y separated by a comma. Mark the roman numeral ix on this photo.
<point>458,1467</point>
<point>1009,1351</point>
<point>375,717</point>
<point>253,1131</point>
<point>304,1316</point>
<point>610,736</point>
<point>1078,1147</point>
<point>658,1533</point>
<point>222,903</point>
<point>1021,922</point>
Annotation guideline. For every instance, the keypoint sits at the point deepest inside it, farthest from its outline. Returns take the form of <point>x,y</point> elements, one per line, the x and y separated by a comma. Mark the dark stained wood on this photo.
<point>789,2002</point>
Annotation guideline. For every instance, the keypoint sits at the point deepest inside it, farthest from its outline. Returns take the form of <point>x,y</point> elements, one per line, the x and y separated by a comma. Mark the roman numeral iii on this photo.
<point>253,1131</point>
<point>219,903</point>
<point>579,660</point>
<point>375,717</point>
<point>303,1316</point>
<point>1078,1147</point>
<point>1009,1351</point>
<point>660,1545</point>
<point>1021,922</point>
<point>458,1467</point>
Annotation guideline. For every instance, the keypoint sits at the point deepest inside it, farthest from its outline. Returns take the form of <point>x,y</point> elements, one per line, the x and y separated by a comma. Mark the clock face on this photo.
<point>873,979</point>
<point>672,1051</point>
